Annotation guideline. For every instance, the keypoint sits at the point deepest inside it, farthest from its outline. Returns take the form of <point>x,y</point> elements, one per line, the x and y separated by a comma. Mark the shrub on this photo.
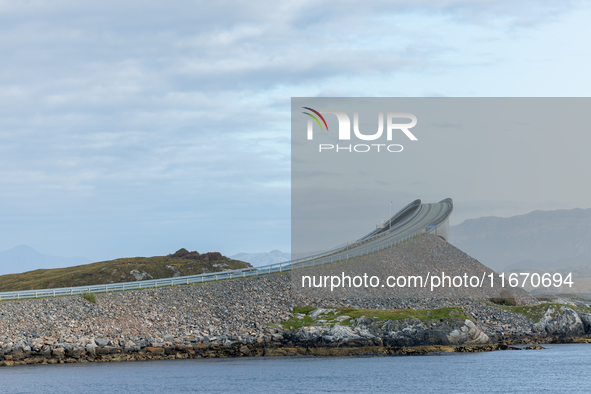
<point>505,298</point>
<point>88,296</point>
<point>503,301</point>
<point>181,253</point>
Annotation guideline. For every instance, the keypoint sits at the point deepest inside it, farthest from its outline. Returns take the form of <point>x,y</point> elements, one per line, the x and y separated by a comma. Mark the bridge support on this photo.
<point>443,229</point>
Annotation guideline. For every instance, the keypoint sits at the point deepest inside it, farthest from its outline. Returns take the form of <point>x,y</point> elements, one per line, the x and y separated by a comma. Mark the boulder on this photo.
<point>331,334</point>
<point>91,349</point>
<point>563,322</point>
<point>245,350</point>
<point>101,341</point>
<point>586,319</point>
<point>469,334</point>
<point>58,352</point>
<point>320,311</point>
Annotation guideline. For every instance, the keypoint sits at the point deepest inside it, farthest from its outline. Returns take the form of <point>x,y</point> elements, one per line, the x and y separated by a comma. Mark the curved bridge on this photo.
<point>414,219</point>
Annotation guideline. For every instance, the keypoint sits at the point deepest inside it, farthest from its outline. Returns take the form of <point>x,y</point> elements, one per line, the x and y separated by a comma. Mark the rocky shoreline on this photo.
<point>240,318</point>
<point>262,316</point>
<point>169,351</point>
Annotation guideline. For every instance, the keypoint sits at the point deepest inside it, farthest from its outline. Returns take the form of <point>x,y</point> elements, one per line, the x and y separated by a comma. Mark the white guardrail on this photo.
<point>310,261</point>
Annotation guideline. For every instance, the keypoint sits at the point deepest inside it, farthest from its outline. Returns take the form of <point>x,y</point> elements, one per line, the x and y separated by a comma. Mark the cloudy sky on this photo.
<point>136,128</point>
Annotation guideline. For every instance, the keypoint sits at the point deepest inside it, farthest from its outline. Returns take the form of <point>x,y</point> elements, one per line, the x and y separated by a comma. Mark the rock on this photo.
<point>563,322</point>
<point>245,350</point>
<point>74,353</point>
<point>469,334</point>
<point>586,319</point>
<point>140,275</point>
<point>320,311</point>
<point>45,351</point>
<point>91,349</point>
<point>154,350</point>
<point>106,350</point>
<point>342,318</point>
<point>324,334</point>
<point>101,342</point>
<point>533,347</point>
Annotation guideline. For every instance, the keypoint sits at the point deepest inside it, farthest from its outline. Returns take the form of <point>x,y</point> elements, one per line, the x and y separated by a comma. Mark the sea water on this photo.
<point>558,368</point>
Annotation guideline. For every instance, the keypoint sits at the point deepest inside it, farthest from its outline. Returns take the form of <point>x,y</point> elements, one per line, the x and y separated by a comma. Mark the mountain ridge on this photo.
<point>263,258</point>
<point>540,235</point>
<point>23,258</point>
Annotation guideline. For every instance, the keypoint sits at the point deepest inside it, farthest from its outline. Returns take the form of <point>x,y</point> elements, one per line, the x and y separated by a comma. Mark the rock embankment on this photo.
<point>241,318</point>
<point>231,319</point>
<point>426,267</point>
<point>392,333</point>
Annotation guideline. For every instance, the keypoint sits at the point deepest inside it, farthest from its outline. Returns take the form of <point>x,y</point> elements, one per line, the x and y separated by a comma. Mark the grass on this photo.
<point>554,297</point>
<point>90,297</point>
<point>116,271</point>
<point>535,312</point>
<point>380,314</point>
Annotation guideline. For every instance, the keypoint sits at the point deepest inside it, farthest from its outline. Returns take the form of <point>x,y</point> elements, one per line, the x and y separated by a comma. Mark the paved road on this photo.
<point>429,214</point>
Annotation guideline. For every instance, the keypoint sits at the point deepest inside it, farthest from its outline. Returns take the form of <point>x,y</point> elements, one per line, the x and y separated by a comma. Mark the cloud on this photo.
<point>119,109</point>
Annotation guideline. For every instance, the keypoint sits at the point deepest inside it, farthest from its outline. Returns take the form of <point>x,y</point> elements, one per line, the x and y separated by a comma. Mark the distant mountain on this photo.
<point>23,258</point>
<point>574,262</point>
<point>258,259</point>
<point>538,239</point>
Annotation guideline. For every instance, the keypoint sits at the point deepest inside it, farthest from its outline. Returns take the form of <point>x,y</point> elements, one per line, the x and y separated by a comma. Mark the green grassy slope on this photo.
<point>130,269</point>
<point>381,314</point>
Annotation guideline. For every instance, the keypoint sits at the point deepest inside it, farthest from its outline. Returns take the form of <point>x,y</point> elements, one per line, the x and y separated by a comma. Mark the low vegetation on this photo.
<point>535,312</point>
<point>90,297</point>
<point>505,298</point>
<point>302,318</point>
<point>130,269</point>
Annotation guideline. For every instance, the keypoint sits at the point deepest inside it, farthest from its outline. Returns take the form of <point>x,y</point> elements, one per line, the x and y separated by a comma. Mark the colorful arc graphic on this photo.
<point>317,113</point>
<point>315,118</point>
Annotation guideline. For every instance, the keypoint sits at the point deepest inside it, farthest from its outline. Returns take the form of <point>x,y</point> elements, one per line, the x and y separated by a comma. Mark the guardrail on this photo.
<point>416,204</point>
<point>310,261</point>
<point>449,211</point>
<point>365,238</point>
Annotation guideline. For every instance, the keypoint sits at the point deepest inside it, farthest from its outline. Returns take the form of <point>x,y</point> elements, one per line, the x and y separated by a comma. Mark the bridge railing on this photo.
<point>414,206</point>
<point>311,261</point>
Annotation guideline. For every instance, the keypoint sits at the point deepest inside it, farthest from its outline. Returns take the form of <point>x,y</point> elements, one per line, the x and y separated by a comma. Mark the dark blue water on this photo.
<point>559,368</point>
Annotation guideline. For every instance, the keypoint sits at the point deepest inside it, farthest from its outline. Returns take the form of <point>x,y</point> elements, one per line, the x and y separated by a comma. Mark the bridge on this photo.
<point>411,221</point>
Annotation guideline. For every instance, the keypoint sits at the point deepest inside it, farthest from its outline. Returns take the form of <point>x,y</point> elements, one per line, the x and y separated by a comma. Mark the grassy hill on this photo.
<point>130,269</point>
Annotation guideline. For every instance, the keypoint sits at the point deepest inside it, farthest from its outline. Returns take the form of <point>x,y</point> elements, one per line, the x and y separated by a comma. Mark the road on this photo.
<point>411,221</point>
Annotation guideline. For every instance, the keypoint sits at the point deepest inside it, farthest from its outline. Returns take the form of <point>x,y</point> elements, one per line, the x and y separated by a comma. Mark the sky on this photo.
<point>135,128</point>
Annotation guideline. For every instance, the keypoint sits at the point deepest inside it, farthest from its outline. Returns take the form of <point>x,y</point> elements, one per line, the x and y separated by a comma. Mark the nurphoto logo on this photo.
<point>344,133</point>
